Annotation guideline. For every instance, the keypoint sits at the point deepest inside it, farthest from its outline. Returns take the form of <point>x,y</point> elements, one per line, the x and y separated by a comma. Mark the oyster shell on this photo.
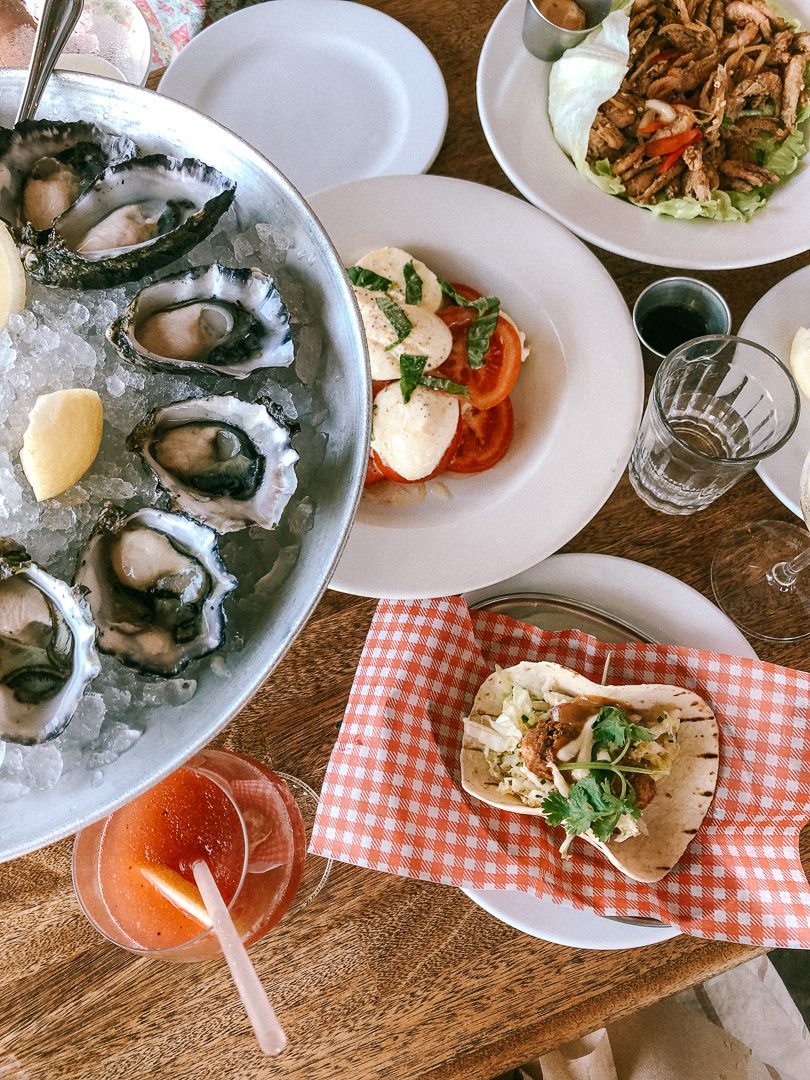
<point>213,318</point>
<point>47,649</point>
<point>46,164</point>
<point>135,218</point>
<point>224,461</point>
<point>155,583</point>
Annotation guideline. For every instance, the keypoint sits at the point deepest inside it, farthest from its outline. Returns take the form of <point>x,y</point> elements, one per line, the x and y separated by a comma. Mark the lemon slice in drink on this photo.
<point>61,441</point>
<point>12,278</point>
<point>800,359</point>
<point>178,891</point>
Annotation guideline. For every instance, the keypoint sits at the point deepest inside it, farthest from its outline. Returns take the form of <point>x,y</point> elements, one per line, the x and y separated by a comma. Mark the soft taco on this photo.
<point>630,769</point>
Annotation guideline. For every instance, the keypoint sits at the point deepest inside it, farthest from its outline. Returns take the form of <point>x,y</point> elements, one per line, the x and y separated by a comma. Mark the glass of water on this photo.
<point>718,406</point>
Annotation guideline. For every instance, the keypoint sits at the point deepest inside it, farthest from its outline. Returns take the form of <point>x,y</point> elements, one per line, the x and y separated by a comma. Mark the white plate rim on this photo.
<point>666,609</point>
<point>604,358</point>
<point>778,231</point>
<point>772,322</point>
<point>425,105</point>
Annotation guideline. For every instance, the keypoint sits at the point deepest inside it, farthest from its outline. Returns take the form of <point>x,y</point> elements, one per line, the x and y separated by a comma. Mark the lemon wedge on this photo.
<point>174,887</point>
<point>12,278</point>
<point>61,441</point>
<point>800,359</point>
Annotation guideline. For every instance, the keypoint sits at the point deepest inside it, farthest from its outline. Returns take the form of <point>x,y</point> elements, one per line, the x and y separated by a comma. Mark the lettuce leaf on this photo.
<point>584,78</point>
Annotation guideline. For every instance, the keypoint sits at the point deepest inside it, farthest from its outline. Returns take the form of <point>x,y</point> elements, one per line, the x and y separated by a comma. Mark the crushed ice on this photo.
<point>59,341</point>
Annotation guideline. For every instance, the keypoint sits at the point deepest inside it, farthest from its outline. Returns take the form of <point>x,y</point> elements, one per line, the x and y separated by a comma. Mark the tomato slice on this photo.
<point>486,436</point>
<point>489,384</point>
<point>387,473</point>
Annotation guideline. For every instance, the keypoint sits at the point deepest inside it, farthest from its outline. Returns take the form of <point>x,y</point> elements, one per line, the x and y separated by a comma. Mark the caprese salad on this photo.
<point>444,360</point>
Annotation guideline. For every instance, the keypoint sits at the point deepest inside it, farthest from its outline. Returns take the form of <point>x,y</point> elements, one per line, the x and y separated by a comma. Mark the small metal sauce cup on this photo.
<point>683,292</point>
<point>547,41</point>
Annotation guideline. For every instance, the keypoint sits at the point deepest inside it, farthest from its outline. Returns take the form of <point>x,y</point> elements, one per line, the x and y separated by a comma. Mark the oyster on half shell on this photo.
<point>46,164</point>
<point>156,584</point>
<point>47,649</point>
<point>213,318</point>
<point>135,218</point>
<point>225,462</point>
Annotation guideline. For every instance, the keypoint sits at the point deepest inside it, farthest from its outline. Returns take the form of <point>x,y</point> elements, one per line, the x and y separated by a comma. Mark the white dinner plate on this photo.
<point>328,90</point>
<point>772,322</point>
<point>577,402</point>
<point>512,92</point>
<point>665,610</point>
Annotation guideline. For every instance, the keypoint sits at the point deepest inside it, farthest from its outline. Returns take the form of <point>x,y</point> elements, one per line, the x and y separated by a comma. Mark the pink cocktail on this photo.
<point>133,871</point>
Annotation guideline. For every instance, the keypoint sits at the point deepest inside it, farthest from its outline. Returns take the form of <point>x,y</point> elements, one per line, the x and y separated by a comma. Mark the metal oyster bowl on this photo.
<point>173,733</point>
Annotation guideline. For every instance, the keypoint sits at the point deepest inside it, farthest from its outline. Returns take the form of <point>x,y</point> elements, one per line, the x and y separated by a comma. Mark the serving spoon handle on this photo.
<point>55,27</point>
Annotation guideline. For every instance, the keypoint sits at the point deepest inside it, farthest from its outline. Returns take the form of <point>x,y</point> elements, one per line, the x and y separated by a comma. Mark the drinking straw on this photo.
<point>269,1033</point>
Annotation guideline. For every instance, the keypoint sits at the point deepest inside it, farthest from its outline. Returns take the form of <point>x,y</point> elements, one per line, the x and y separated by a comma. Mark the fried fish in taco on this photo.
<point>630,769</point>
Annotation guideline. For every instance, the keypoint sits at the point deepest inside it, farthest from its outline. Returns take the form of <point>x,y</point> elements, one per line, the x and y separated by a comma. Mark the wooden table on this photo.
<point>380,977</point>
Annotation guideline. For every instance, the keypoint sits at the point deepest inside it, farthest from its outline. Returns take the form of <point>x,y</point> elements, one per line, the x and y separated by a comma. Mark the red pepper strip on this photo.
<point>664,54</point>
<point>670,143</point>
<point>669,161</point>
<point>648,129</point>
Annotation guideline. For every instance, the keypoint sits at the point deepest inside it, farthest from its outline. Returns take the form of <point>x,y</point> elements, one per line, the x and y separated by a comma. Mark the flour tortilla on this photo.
<point>682,798</point>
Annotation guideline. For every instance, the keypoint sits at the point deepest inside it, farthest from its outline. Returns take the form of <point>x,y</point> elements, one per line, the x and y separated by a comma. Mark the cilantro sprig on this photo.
<point>411,375</point>
<point>598,801</point>
<point>591,804</point>
<point>479,334</point>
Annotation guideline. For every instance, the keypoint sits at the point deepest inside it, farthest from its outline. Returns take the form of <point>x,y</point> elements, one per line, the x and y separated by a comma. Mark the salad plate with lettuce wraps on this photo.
<point>674,133</point>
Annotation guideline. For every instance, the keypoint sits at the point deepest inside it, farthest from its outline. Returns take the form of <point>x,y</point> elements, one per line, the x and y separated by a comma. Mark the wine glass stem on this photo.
<point>784,573</point>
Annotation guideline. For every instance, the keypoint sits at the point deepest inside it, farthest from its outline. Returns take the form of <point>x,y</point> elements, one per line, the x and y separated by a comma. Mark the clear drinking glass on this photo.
<point>761,576</point>
<point>132,870</point>
<point>718,406</point>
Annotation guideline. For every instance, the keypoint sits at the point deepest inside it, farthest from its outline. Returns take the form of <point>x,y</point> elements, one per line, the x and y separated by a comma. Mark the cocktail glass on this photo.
<point>132,871</point>
<point>761,577</point>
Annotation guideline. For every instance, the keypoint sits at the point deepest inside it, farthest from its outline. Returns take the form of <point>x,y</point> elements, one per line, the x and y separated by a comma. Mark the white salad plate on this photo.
<point>663,609</point>
<point>328,90</point>
<point>577,402</point>
<point>772,322</point>
<point>512,90</point>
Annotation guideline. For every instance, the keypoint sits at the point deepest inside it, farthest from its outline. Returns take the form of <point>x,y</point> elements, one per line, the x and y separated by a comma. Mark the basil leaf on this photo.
<point>413,284</point>
<point>396,316</point>
<point>435,382</point>
<point>367,279</point>
<point>479,336</point>
<point>410,374</point>
<point>480,332</point>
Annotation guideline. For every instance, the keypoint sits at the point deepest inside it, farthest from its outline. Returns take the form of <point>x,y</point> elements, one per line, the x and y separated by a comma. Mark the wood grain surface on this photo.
<point>380,977</point>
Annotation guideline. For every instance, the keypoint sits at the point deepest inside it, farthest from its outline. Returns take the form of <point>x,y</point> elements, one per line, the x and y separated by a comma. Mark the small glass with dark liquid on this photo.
<point>673,311</point>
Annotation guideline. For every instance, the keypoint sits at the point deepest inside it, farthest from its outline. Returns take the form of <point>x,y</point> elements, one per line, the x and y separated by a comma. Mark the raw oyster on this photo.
<point>46,164</point>
<point>156,584</point>
<point>213,318</point>
<point>135,218</point>
<point>224,461</point>
<point>47,649</point>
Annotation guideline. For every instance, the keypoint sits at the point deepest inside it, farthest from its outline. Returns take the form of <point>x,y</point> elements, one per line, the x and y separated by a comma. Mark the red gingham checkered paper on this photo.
<point>392,797</point>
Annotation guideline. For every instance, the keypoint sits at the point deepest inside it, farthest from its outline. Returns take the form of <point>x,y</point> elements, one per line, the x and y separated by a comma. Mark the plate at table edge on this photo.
<point>660,607</point>
<point>565,460</point>
<point>398,128</point>
<point>772,322</point>
<point>511,89</point>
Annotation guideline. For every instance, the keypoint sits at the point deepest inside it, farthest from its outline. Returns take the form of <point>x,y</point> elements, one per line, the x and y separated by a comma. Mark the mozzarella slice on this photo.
<point>390,263</point>
<point>413,438</point>
<point>429,337</point>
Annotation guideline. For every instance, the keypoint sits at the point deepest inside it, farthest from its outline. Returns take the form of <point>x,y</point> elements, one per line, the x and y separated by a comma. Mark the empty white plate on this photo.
<point>328,90</point>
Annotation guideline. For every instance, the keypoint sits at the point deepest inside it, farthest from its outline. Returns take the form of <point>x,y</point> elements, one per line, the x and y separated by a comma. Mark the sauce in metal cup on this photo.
<point>548,41</point>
